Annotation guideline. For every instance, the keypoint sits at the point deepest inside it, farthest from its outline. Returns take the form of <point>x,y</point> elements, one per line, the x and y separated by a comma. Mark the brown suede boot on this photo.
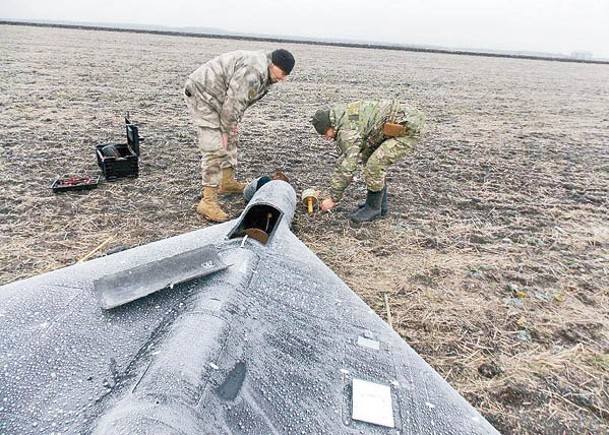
<point>229,184</point>
<point>209,207</point>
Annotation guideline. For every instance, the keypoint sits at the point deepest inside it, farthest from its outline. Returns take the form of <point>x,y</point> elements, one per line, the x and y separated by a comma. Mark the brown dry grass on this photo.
<point>494,259</point>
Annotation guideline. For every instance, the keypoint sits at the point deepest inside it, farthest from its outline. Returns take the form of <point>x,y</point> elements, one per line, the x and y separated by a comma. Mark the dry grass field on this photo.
<point>495,255</point>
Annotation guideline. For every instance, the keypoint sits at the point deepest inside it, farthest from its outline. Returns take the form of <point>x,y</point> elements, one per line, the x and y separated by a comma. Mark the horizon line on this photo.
<point>349,43</point>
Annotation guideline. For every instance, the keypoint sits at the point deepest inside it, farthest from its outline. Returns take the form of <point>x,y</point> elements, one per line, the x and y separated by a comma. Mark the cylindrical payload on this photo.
<point>310,198</point>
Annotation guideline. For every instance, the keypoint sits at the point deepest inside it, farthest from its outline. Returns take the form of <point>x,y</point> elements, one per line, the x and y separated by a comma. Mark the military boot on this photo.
<point>209,207</point>
<point>229,184</point>
<point>384,207</point>
<point>371,210</point>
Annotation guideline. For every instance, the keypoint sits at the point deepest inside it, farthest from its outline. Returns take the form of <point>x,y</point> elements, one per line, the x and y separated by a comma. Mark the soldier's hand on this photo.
<point>327,204</point>
<point>225,141</point>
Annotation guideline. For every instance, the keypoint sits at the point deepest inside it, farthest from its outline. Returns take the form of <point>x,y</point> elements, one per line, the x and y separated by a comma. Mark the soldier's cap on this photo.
<point>321,121</point>
<point>283,59</point>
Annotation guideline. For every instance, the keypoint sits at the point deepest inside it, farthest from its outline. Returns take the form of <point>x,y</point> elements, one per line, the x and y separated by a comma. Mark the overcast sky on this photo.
<point>550,26</point>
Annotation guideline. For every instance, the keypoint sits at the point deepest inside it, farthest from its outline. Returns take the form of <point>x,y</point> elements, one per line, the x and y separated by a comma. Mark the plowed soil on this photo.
<point>494,259</point>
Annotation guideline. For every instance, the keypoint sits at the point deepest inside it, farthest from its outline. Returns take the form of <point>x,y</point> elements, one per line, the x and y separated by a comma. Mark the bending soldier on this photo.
<point>376,134</point>
<point>217,94</point>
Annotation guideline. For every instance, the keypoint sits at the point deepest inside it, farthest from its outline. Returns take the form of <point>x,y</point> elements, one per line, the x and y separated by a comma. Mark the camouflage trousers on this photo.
<point>392,149</point>
<point>214,157</point>
<point>387,154</point>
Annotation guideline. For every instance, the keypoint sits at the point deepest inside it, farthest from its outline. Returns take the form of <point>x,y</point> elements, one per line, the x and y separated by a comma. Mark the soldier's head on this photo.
<point>282,63</point>
<point>322,123</point>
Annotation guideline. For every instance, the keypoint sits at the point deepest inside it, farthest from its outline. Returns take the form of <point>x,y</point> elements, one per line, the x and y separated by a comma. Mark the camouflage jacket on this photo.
<point>232,82</point>
<point>359,132</point>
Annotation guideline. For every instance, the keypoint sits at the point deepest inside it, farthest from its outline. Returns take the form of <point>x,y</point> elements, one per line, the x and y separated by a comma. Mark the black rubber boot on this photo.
<point>384,207</point>
<point>370,211</point>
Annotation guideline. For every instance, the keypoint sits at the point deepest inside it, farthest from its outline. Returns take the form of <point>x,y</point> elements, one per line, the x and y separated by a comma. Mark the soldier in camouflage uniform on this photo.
<point>217,94</point>
<point>374,133</point>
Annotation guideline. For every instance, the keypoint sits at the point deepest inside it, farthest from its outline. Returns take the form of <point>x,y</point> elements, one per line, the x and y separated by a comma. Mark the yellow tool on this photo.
<point>310,198</point>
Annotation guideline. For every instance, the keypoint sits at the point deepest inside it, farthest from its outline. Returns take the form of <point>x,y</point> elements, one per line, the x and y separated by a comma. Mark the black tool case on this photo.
<point>120,160</point>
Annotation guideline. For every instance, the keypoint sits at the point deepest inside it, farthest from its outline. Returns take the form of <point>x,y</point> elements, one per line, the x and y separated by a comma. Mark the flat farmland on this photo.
<point>494,259</point>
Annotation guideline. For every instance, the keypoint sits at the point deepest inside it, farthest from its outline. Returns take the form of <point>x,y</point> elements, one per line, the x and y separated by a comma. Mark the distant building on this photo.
<point>581,55</point>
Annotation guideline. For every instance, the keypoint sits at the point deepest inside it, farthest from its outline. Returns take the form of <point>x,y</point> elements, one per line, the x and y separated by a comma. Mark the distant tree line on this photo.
<point>576,56</point>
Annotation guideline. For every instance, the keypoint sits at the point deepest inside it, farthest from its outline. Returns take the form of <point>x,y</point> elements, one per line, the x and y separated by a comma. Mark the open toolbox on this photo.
<point>75,182</point>
<point>120,160</point>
